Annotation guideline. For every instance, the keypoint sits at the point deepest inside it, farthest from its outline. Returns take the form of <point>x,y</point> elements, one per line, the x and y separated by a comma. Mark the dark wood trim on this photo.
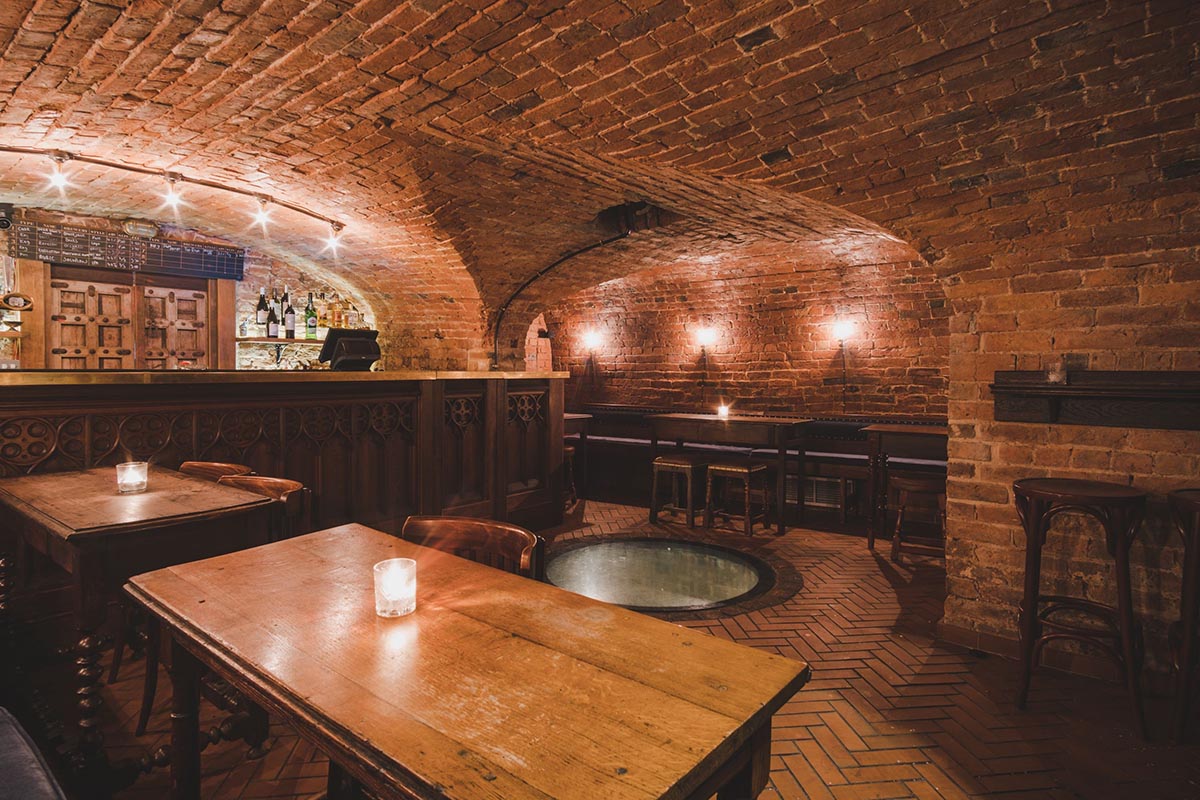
<point>1126,399</point>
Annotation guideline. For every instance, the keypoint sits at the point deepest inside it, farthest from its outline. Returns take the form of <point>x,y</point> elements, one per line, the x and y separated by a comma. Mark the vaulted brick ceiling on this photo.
<point>468,145</point>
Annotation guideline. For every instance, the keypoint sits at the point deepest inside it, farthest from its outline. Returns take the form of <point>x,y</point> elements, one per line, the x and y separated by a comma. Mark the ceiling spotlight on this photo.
<point>334,240</point>
<point>263,215</point>
<point>58,178</point>
<point>172,197</point>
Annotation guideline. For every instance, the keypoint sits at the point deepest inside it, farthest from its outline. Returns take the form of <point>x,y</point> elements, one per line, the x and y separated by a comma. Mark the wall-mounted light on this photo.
<point>706,337</point>
<point>723,411</point>
<point>843,329</point>
<point>592,340</point>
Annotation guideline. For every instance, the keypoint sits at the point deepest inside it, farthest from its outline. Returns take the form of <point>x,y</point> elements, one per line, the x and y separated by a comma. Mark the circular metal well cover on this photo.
<point>657,574</point>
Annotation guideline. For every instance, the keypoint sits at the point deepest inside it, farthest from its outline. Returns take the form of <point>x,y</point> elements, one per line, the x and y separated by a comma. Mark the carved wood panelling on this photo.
<point>526,433</point>
<point>369,455</point>
<point>464,474</point>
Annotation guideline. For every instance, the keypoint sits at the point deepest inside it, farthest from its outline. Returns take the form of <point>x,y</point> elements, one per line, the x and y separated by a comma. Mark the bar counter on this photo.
<point>374,447</point>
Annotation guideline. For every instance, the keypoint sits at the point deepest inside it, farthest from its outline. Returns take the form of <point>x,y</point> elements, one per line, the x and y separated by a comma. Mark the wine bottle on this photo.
<point>322,311</point>
<point>352,316</point>
<point>336,316</point>
<point>310,319</point>
<point>260,311</point>
<point>272,324</point>
<point>289,318</point>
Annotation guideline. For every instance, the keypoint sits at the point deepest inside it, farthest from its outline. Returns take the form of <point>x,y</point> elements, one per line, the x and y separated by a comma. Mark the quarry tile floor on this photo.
<point>890,713</point>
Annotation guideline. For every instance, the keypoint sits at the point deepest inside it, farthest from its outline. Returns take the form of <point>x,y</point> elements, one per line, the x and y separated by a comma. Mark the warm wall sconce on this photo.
<point>843,329</point>
<point>723,411</point>
<point>592,340</point>
<point>706,337</point>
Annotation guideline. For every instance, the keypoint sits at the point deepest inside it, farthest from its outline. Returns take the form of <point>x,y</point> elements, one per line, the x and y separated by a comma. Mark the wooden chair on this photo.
<point>293,497</point>
<point>485,541</point>
<point>213,470</point>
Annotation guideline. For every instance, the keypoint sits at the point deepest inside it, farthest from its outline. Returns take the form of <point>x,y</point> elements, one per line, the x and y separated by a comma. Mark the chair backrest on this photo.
<point>289,492</point>
<point>213,470</point>
<point>485,541</point>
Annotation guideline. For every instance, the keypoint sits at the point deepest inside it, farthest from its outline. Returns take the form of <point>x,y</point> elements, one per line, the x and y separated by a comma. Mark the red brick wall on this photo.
<point>774,346</point>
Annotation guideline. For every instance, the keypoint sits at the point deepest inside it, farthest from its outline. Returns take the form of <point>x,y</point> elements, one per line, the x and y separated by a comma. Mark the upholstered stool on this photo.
<point>915,486</point>
<point>681,465</point>
<point>1120,510</point>
<point>572,494</point>
<point>1185,507</point>
<point>746,471</point>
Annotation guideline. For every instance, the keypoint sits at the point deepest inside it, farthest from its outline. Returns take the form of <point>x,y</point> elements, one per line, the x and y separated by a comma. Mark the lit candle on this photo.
<point>723,411</point>
<point>395,587</point>
<point>131,477</point>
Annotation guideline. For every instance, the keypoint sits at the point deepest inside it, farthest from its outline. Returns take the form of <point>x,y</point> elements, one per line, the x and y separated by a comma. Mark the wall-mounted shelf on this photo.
<point>1127,399</point>
<point>277,343</point>
<point>11,334</point>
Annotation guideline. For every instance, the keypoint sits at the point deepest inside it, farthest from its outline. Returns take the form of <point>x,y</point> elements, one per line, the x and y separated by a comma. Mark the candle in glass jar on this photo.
<point>131,477</point>
<point>722,411</point>
<point>395,587</point>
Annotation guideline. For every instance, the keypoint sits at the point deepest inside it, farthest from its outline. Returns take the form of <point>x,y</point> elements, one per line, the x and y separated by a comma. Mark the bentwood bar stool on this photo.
<point>1185,507</point>
<point>1048,618</point>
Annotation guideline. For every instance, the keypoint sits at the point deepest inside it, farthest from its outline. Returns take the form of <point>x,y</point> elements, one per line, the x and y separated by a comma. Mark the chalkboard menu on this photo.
<point>84,247</point>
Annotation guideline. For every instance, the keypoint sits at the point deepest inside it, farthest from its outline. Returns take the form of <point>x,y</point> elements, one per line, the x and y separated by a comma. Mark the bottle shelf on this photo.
<point>11,334</point>
<point>281,340</point>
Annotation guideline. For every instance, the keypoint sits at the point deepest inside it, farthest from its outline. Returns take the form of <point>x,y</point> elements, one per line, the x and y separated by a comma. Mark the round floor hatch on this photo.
<point>658,574</point>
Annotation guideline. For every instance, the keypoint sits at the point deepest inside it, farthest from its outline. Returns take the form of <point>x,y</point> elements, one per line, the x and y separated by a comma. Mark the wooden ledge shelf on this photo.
<point>1124,399</point>
<point>11,334</point>
<point>269,340</point>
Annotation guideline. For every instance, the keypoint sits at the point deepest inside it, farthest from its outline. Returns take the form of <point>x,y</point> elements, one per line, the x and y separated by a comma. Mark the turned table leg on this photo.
<point>185,724</point>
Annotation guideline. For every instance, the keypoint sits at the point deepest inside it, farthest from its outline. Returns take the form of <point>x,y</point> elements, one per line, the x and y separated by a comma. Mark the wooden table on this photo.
<point>577,424</point>
<point>100,538</point>
<point>497,687</point>
<point>887,441</point>
<point>773,432</point>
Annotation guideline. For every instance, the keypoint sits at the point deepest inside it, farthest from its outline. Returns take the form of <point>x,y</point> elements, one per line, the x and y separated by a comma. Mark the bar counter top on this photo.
<point>48,378</point>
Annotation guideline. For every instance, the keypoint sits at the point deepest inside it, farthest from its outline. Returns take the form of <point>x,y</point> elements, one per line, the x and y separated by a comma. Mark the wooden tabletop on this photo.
<point>87,503</point>
<point>497,687</point>
<point>569,415</point>
<point>915,430</point>
<point>731,418</point>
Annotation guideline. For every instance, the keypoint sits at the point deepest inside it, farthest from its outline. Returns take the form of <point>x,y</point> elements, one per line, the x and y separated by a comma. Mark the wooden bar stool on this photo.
<point>915,486</point>
<point>680,465</point>
<point>748,472</point>
<point>1120,510</point>
<point>1185,508</point>
<point>213,470</point>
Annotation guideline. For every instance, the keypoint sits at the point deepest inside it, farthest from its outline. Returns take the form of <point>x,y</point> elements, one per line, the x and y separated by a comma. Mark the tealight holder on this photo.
<point>395,587</point>
<point>132,477</point>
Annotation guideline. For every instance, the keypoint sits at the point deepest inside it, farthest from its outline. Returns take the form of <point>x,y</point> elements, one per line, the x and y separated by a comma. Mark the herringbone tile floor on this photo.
<point>889,713</point>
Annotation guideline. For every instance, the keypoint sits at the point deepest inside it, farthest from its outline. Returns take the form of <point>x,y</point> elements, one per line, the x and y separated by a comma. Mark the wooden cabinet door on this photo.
<point>174,331</point>
<point>91,326</point>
